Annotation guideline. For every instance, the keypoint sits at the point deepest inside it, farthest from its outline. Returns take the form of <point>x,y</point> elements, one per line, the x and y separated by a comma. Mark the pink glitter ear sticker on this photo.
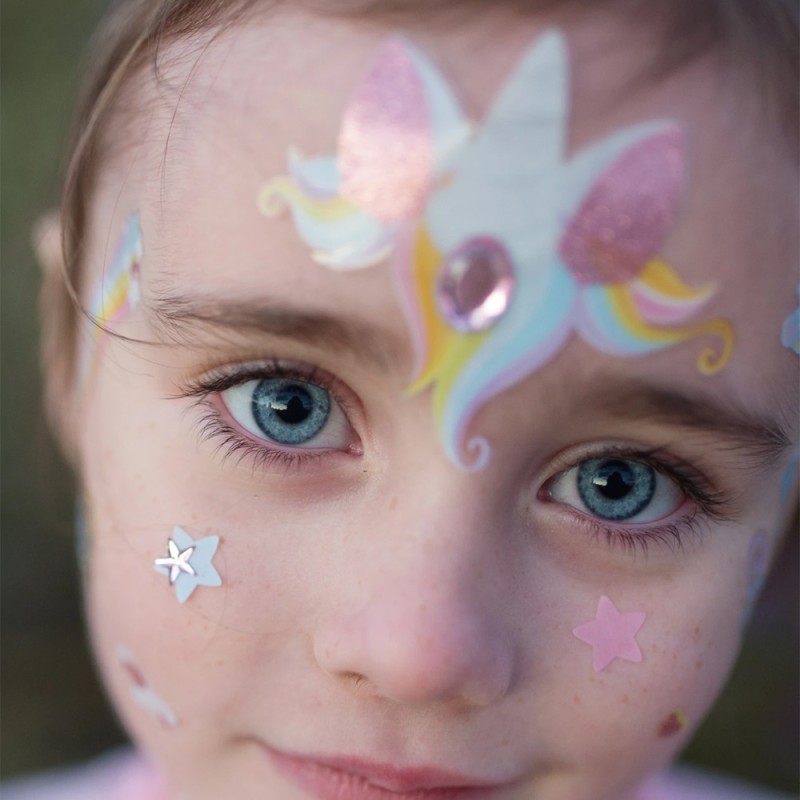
<point>626,216</point>
<point>385,144</point>
<point>612,634</point>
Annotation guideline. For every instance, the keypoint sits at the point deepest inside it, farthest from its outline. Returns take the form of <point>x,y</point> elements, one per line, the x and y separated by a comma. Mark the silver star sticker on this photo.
<point>189,563</point>
<point>177,561</point>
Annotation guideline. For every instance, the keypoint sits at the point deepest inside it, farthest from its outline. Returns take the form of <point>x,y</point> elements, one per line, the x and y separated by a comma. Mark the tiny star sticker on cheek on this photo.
<point>612,634</point>
<point>188,563</point>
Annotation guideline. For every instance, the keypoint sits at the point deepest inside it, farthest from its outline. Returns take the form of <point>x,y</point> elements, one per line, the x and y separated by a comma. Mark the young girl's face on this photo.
<point>389,624</point>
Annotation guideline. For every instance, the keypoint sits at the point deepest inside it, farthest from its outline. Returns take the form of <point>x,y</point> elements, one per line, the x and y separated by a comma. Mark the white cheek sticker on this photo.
<point>188,563</point>
<point>142,692</point>
<point>612,635</point>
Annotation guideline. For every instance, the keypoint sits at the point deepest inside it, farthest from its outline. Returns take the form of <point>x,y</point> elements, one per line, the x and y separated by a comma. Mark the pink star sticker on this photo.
<point>612,634</point>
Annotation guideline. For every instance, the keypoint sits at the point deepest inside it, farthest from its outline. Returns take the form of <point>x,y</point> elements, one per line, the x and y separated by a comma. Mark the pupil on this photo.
<point>616,489</point>
<point>289,411</point>
<point>615,484</point>
<point>292,405</point>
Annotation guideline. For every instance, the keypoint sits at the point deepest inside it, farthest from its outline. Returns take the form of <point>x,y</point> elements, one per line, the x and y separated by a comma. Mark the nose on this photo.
<point>428,622</point>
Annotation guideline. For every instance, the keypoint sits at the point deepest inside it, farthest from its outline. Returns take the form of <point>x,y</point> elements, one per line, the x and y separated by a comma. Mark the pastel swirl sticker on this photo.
<point>117,293</point>
<point>790,332</point>
<point>415,181</point>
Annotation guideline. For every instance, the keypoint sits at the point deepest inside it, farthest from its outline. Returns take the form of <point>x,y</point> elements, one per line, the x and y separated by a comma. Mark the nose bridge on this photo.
<point>424,624</point>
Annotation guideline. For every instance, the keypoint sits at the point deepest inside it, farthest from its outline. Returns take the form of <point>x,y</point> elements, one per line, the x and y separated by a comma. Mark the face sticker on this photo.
<point>118,293</point>
<point>612,634</point>
<point>757,568</point>
<point>790,333</point>
<point>188,563</point>
<point>503,245</point>
<point>789,479</point>
<point>673,724</point>
<point>141,691</point>
<point>81,534</point>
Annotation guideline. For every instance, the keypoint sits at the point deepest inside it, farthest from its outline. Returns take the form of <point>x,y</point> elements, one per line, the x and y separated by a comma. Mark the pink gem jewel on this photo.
<point>476,285</point>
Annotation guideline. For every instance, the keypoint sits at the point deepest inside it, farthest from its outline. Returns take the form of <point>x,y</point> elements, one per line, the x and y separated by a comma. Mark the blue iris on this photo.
<point>614,488</point>
<point>290,411</point>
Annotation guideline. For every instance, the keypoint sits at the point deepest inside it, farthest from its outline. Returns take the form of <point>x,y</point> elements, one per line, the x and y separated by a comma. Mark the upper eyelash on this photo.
<point>224,378</point>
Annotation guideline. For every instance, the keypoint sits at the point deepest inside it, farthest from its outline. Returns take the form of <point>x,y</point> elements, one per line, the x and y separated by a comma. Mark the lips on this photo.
<point>355,779</point>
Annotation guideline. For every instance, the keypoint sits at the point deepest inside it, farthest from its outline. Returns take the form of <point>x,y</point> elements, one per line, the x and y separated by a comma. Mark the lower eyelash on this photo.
<point>231,444</point>
<point>673,536</point>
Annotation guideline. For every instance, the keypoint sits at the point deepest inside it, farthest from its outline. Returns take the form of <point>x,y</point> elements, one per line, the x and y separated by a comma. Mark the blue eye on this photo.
<point>289,411</point>
<point>618,490</point>
<point>615,489</point>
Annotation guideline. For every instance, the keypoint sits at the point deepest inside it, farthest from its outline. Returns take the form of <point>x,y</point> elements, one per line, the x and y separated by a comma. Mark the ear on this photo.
<point>59,319</point>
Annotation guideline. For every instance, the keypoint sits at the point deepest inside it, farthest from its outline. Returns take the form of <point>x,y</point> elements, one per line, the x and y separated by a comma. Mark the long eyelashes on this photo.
<point>233,443</point>
<point>706,503</point>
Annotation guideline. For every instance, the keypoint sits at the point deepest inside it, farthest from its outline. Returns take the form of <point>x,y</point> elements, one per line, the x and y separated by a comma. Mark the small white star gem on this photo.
<point>177,561</point>
<point>188,564</point>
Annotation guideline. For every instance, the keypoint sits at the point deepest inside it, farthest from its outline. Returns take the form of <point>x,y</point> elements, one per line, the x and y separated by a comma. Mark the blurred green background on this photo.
<point>53,711</point>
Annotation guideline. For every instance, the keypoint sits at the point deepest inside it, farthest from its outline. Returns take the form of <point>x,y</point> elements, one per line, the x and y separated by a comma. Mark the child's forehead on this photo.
<point>233,110</point>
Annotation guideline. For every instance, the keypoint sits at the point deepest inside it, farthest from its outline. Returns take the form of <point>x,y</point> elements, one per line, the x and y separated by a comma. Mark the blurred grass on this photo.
<point>53,711</point>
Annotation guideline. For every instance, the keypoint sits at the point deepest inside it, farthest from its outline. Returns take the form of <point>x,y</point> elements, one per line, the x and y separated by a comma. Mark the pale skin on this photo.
<point>376,600</point>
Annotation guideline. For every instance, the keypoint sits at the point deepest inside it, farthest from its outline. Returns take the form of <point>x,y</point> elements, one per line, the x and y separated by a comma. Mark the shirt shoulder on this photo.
<point>686,783</point>
<point>119,775</point>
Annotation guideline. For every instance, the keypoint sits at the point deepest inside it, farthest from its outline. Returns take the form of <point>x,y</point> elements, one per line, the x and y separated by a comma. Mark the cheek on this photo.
<point>688,641</point>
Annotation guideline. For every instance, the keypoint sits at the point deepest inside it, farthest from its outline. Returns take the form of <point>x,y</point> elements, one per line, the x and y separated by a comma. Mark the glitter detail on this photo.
<point>385,154</point>
<point>625,217</point>
<point>476,285</point>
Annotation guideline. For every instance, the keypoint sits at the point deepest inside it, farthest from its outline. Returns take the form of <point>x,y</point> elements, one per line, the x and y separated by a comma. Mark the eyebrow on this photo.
<point>183,317</point>
<point>762,439</point>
